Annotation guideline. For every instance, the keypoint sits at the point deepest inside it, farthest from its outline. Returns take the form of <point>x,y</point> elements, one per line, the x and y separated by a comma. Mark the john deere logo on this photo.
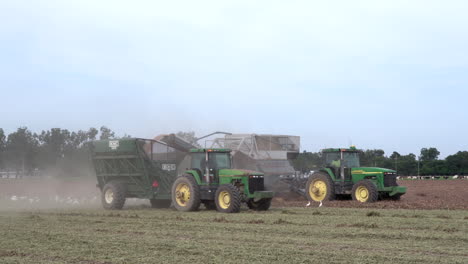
<point>113,144</point>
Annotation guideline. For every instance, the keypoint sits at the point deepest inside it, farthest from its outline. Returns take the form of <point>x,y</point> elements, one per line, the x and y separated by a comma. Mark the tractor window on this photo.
<point>220,161</point>
<point>330,157</point>
<point>351,159</point>
<point>198,161</point>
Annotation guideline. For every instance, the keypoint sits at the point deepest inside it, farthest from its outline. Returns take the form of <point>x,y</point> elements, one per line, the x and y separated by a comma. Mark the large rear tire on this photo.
<point>320,187</point>
<point>157,203</point>
<point>186,194</point>
<point>260,205</point>
<point>113,195</point>
<point>228,199</point>
<point>365,191</point>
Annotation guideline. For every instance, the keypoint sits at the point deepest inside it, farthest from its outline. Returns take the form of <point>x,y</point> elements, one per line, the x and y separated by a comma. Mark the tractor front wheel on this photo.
<point>365,191</point>
<point>320,187</point>
<point>260,205</point>
<point>186,194</point>
<point>228,199</point>
<point>113,195</point>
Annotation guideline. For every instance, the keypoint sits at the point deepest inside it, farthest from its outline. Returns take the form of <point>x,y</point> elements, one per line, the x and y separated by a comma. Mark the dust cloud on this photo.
<point>48,193</point>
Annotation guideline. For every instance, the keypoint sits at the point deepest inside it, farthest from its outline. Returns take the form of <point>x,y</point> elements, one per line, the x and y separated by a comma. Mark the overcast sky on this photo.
<point>377,74</point>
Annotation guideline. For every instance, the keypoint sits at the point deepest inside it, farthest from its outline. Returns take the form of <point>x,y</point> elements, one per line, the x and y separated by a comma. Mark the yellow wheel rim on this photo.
<point>318,190</point>
<point>362,194</point>
<point>182,194</point>
<point>224,199</point>
<point>109,196</point>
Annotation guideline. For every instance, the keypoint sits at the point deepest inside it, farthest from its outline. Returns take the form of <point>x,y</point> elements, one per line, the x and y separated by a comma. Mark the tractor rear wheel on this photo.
<point>113,195</point>
<point>157,203</point>
<point>186,194</point>
<point>260,205</point>
<point>228,199</point>
<point>320,187</point>
<point>365,191</point>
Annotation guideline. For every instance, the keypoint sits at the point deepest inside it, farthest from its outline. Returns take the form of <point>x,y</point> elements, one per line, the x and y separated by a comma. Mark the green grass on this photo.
<point>281,235</point>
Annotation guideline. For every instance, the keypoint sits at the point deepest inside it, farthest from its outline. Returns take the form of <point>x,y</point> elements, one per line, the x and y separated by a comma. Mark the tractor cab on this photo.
<point>208,162</point>
<point>341,161</point>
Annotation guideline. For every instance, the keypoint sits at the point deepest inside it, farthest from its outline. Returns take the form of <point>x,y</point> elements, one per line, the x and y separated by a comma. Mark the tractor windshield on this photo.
<point>330,157</point>
<point>220,160</point>
<point>351,159</point>
<point>198,161</point>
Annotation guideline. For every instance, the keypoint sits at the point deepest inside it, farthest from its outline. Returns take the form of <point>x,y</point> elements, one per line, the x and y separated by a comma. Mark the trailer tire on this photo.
<point>113,195</point>
<point>157,203</point>
<point>365,191</point>
<point>260,205</point>
<point>228,199</point>
<point>186,194</point>
<point>320,187</point>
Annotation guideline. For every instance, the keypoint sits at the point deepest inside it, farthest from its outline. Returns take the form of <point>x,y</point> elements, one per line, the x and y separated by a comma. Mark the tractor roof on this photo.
<point>351,149</point>
<point>216,150</point>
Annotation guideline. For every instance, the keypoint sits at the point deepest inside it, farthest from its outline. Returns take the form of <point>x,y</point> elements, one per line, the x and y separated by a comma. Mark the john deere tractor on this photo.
<point>343,175</point>
<point>149,169</point>
<point>209,179</point>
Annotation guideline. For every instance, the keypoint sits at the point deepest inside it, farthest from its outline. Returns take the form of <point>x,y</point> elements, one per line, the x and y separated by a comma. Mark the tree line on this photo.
<point>64,153</point>
<point>57,152</point>
<point>426,163</point>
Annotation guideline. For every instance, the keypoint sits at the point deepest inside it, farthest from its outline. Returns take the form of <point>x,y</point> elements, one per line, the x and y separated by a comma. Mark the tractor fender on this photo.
<point>329,172</point>
<point>194,174</point>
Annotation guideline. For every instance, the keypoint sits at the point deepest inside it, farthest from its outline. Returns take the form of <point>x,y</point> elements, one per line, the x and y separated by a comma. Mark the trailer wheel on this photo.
<point>157,203</point>
<point>365,191</point>
<point>228,199</point>
<point>260,205</point>
<point>186,194</point>
<point>320,187</point>
<point>113,195</point>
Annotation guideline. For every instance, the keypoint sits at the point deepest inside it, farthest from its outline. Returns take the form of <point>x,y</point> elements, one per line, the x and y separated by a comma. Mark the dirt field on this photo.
<point>50,221</point>
<point>422,194</point>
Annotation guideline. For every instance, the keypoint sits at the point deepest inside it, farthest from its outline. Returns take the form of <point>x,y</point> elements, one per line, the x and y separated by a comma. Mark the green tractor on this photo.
<point>342,175</point>
<point>149,169</point>
<point>211,180</point>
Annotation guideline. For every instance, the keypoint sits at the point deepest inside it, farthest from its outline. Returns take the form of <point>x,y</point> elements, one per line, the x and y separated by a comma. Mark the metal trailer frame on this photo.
<point>132,161</point>
<point>271,158</point>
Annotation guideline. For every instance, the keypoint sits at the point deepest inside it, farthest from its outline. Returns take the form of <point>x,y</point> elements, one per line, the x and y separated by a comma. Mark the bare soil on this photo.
<point>421,194</point>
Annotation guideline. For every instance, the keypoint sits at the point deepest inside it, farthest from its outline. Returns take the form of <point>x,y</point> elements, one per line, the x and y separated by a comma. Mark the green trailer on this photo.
<point>134,168</point>
<point>148,169</point>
